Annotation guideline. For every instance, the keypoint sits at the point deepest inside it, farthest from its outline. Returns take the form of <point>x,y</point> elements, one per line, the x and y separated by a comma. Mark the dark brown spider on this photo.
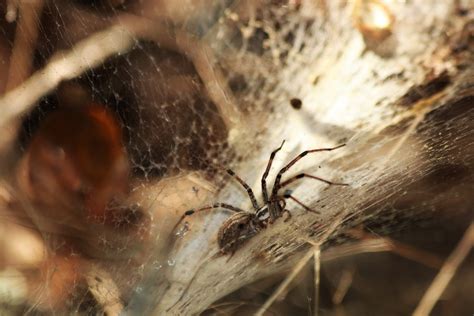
<point>243,225</point>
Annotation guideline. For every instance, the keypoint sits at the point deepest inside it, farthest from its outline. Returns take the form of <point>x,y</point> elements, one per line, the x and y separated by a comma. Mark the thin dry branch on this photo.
<point>117,39</point>
<point>87,54</point>
<point>317,279</point>
<point>446,273</point>
<point>284,285</point>
<point>365,246</point>
<point>11,10</point>
<point>21,60</point>
<point>403,250</point>
<point>197,51</point>
<point>343,286</point>
<point>301,263</point>
<point>381,245</point>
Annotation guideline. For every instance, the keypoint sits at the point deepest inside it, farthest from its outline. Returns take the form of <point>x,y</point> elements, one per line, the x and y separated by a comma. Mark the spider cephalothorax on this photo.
<point>243,225</point>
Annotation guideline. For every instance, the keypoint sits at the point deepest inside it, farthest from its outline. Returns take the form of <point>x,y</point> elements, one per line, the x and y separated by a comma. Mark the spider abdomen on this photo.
<point>236,230</point>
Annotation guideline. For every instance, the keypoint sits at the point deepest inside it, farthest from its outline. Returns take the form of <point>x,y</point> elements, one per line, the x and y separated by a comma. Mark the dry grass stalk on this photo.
<point>21,60</point>
<point>446,273</point>
<point>317,279</point>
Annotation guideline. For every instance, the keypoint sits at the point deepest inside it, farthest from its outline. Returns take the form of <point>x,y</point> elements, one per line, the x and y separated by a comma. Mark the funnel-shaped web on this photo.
<point>205,94</point>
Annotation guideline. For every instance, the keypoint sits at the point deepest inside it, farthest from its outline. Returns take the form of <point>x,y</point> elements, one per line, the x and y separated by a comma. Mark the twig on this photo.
<point>375,245</point>
<point>11,11</point>
<point>380,245</point>
<point>299,265</point>
<point>213,79</point>
<point>87,54</point>
<point>317,271</point>
<point>287,280</point>
<point>24,45</point>
<point>117,39</point>
<point>446,273</point>
<point>403,250</point>
<point>415,254</point>
<point>199,53</point>
<point>343,286</point>
<point>21,58</point>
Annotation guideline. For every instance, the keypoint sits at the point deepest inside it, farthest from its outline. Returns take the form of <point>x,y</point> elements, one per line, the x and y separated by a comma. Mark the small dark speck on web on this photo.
<point>296,103</point>
<point>315,80</point>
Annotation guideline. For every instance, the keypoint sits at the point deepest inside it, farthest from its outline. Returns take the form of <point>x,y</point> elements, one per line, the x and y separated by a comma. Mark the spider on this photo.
<point>243,225</point>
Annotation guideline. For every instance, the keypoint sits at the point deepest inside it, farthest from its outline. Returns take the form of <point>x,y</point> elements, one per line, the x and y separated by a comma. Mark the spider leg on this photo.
<point>246,187</point>
<point>231,255</point>
<point>302,175</point>
<point>207,208</point>
<point>276,185</point>
<point>288,195</point>
<point>288,217</point>
<point>267,170</point>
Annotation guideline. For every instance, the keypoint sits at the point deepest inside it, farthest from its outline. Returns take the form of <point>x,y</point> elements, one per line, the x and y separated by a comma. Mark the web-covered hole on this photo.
<point>197,121</point>
<point>401,173</point>
<point>169,122</point>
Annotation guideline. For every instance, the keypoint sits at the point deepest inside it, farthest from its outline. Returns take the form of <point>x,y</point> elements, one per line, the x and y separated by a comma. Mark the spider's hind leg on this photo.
<point>303,175</point>
<point>288,215</point>
<point>287,195</point>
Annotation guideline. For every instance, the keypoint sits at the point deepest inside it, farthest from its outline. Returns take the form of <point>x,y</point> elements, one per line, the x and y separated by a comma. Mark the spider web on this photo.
<point>221,99</point>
